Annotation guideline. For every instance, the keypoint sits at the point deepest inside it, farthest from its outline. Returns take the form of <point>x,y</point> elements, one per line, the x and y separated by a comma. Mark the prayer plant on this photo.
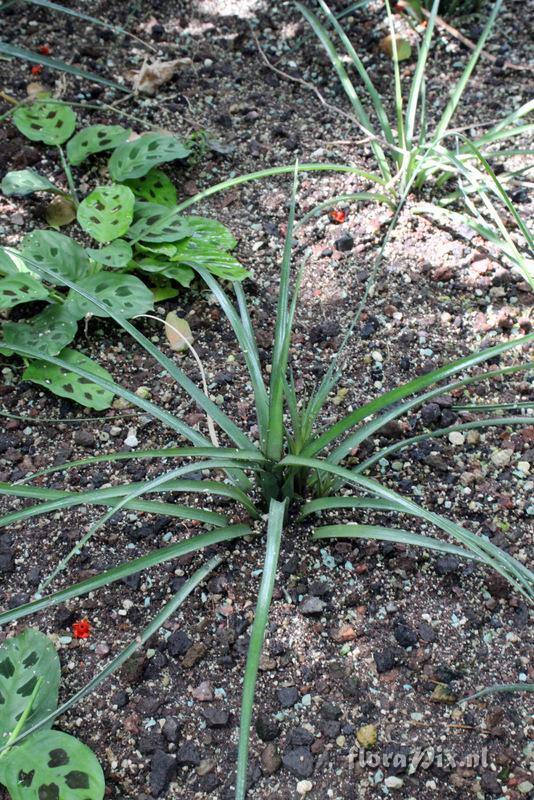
<point>296,469</point>
<point>137,227</point>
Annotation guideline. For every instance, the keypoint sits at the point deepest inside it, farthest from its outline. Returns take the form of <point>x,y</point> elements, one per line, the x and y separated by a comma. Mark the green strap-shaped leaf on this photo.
<point>135,159</point>
<point>176,272</point>
<point>107,213</point>
<point>197,254</point>
<point>124,294</point>
<point>11,263</point>
<point>51,123</point>
<point>22,182</point>
<point>274,535</point>
<point>23,660</point>
<point>116,255</point>
<point>51,765</point>
<point>49,332</point>
<point>211,232</point>
<point>155,187</point>
<point>63,382</point>
<point>95,139</point>
<point>21,288</point>
<point>156,223</point>
<point>58,252</point>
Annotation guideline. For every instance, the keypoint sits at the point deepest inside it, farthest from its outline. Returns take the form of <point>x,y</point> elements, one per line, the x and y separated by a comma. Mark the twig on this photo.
<point>370,136</point>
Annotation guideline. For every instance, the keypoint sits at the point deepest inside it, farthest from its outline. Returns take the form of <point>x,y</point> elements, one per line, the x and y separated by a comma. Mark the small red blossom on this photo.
<point>82,629</point>
<point>338,216</point>
<point>44,50</point>
<point>37,69</point>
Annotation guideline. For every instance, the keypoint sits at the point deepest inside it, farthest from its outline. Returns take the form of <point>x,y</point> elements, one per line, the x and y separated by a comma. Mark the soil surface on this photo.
<point>375,640</point>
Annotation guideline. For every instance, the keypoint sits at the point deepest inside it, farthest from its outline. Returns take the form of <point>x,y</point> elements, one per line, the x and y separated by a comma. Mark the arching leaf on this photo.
<point>135,159</point>
<point>116,255</point>
<point>107,213</point>
<point>94,139</point>
<point>124,294</point>
<point>49,332</point>
<point>63,382</point>
<point>155,187</point>
<point>57,252</point>
<point>22,182</point>
<point>45,121</point>
<point>23,660</point>
<point>51,765</point>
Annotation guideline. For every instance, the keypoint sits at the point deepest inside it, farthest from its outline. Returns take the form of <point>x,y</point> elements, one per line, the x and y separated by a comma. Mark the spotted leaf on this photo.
<point>157,223</point>
<point>116,255</point>
<point>51,765</point>
<point>22,182</point>
<point>46,121</point>
<point>64,382</point>
<point>95,139</point>
<point>155,187</point>
<point>21,288</point>
<point>49,332</point>
<point>23,660</point>
<point>107,213</point>
<point>135,159</point>
<point>56,252</point>
<point>123,294</point>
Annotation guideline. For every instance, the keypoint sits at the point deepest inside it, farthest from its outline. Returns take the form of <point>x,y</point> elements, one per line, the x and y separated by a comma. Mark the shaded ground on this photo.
<point>414,622</point>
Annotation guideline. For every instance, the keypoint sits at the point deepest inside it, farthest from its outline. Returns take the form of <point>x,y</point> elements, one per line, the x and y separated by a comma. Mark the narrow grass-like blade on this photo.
<point>499,688</point>
<point>274,534</point>
<point>463,80</point>
<point>144,488</point>
<point>125,569</point>
<point>14,51</point>
<point>270,172</point>
<point>247,345</point>
<point>412,387</point>
<point>55,499</point>
<point>360,112</point>
<point>334,503</point>
<point>282,337</point>
<point>362,72</point>
<point>492,422</point>
<point>150,630</point>
<point>165,452</point>
<point>353,530</point>
<point>511,569</point>
<point>369,428</point>
<point>416,88</point>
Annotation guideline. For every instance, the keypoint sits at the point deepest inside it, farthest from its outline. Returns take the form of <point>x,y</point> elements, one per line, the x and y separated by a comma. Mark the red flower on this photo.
<point>37,69</point>
<point>82,629</point>
<point>338,216</point>
<point>44,50</point>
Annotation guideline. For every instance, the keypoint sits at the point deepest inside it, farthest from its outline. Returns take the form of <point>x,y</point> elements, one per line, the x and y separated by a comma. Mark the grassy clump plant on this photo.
<point>295,470</point>
<point>412,155</point>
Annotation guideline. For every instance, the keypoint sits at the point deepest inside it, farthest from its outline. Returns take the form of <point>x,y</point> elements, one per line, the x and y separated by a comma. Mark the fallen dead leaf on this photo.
<point>60,211</point>
<point>178,332</point>
<point>151,76</point>
<point>404,50</point>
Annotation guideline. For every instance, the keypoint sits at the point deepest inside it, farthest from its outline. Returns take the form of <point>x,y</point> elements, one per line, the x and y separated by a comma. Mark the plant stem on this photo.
<point>68,175</point>
<point>22,721</point>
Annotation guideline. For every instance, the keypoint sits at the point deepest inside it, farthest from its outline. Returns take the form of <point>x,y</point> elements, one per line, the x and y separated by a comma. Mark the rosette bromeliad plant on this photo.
<point>295,469</point>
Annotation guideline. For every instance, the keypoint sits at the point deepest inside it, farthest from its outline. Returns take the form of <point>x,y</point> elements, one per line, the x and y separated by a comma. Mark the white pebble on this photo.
<point>456,438</point>
<point>303,787</point>
<point>131,440</point>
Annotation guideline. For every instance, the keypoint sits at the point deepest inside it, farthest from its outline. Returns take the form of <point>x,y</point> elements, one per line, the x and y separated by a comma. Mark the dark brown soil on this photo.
<point>413,621</point>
